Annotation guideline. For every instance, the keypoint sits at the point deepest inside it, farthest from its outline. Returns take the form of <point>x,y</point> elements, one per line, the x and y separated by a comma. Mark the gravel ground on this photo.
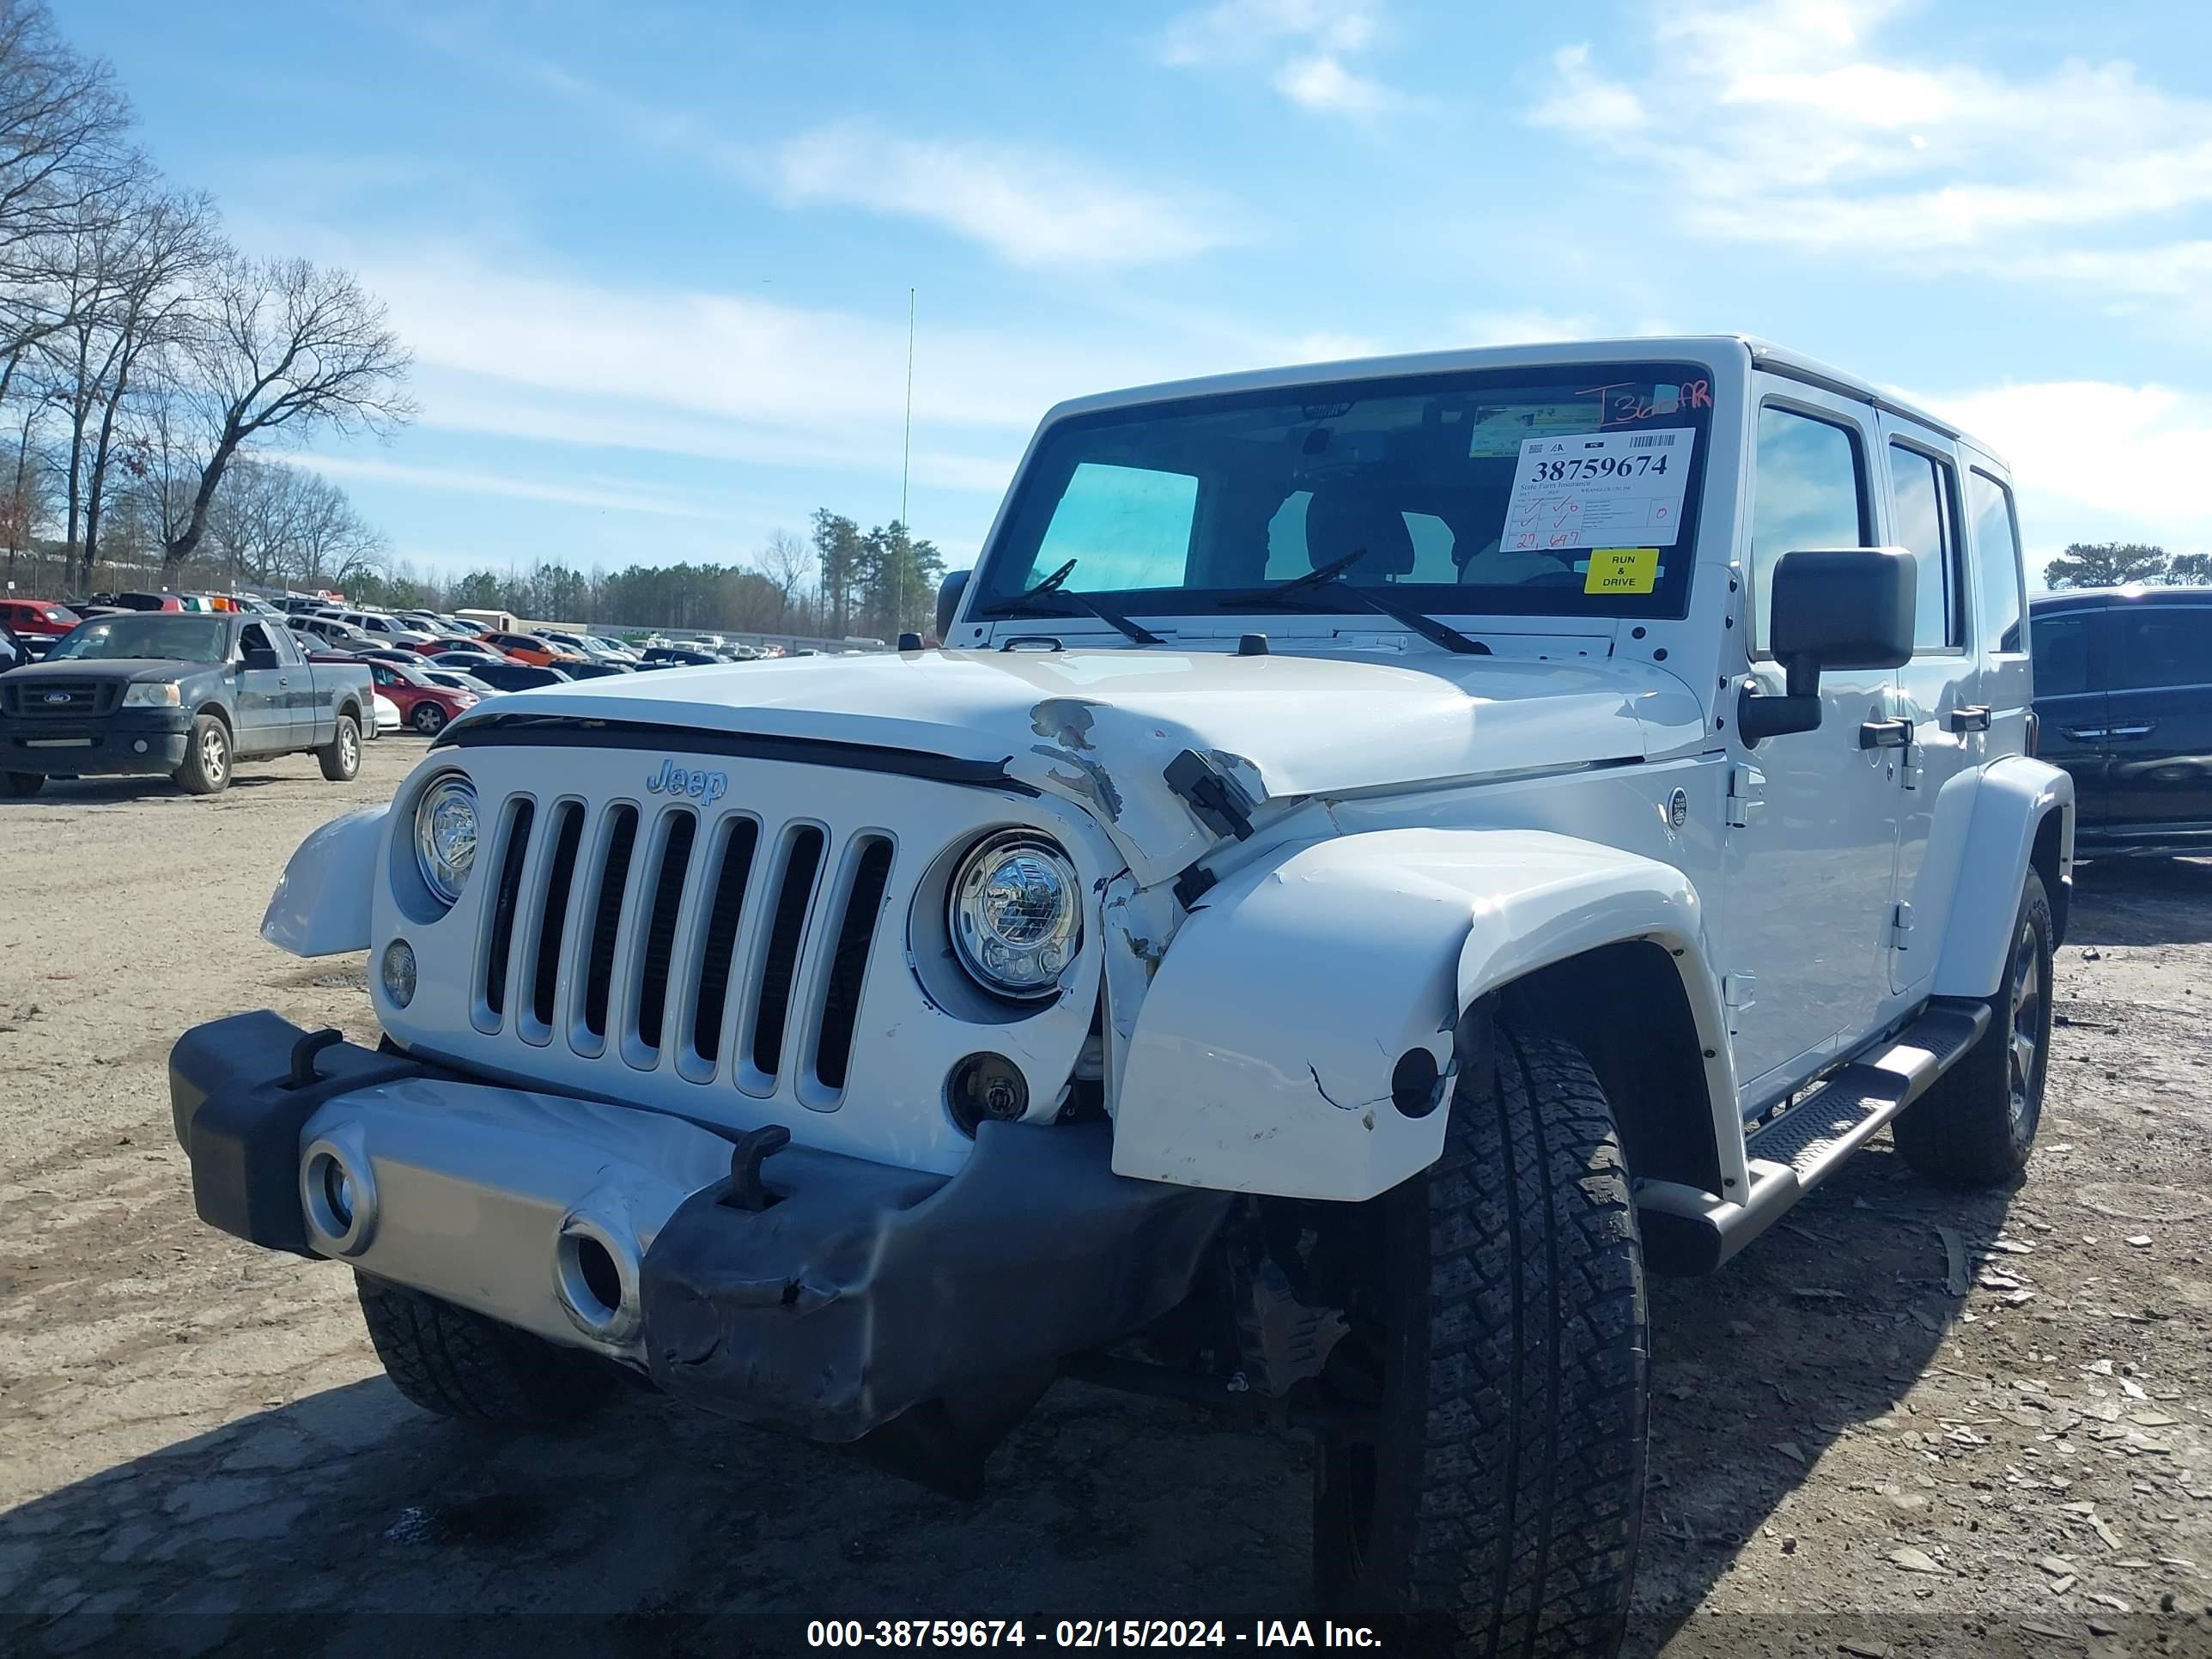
<point>1906,1423</point>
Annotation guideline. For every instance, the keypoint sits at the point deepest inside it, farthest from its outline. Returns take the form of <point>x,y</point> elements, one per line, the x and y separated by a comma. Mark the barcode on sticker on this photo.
<point>1653,440</point>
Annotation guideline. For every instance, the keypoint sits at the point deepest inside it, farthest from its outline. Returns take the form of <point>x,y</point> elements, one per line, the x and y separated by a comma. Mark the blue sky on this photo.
<point>653,260</point>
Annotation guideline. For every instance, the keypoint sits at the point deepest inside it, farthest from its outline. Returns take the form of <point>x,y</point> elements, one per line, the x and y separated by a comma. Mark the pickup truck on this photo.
<point>187,694</point>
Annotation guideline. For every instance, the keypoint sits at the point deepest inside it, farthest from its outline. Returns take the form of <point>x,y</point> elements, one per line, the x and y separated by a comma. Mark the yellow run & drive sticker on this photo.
<point>1622,570</point>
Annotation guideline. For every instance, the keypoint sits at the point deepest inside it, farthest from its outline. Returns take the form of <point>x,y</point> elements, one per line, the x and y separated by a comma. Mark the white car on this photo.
<point>1388,854</point>
<point>387,715</point>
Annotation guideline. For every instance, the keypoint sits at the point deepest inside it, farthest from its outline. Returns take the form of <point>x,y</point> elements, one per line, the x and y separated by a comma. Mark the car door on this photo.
<point>2157,732</point>
<point>1925,743</point>
<point>2067,647</point>
<point>261,700</point>
<point>1812,843</point>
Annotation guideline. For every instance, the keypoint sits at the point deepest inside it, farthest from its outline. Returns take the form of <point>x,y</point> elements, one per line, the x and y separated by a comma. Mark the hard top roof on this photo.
<point>1763,354</point>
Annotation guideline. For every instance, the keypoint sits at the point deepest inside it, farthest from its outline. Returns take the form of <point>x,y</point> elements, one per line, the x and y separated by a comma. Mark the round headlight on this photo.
<point>1016,914</point>
<point>446,834</point>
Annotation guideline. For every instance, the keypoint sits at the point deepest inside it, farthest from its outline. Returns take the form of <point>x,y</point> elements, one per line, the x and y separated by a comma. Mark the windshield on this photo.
<point>1542,492</point>
<point>180,638</point>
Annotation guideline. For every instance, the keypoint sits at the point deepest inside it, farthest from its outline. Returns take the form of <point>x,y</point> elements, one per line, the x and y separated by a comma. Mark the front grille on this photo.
<point>741,947</point>
<point>36,700</point>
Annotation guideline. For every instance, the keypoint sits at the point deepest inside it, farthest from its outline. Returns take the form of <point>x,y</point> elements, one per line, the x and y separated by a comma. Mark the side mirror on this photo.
<point>948,599</point>
<point>1832,608</point>
<point>258,660</point>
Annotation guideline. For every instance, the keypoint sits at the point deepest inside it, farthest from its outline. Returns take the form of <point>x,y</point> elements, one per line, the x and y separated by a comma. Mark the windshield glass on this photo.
<point>152,633</point>
<point>1530,491</point>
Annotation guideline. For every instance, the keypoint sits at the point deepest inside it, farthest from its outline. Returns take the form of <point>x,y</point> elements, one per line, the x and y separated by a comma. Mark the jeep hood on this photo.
<point>1099,727</point>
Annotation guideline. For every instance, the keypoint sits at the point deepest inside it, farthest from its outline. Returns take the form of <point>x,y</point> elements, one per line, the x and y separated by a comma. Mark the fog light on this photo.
<point>140,745</point>
<point>337,1193</point>
<point>986,1085</point>
<point>399,972</point>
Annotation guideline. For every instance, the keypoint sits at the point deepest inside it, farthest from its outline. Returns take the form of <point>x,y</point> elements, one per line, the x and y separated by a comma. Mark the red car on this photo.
<point>423,704</point>
<point>447,642</point>
<point>43,618</point>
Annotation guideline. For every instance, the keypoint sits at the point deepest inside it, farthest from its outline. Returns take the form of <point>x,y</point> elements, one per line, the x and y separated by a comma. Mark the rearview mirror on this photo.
<point>1829,609</point>
<point>948,601</point>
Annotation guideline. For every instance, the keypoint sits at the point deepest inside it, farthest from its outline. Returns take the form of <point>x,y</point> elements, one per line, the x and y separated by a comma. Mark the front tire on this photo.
<point>1976,1126</point>
<point>24,784</point>
<point>341,756</point>
<point>460,1364</point>
<point>1494,1503</point>
<point>428,719</point>
<point>206,770</point>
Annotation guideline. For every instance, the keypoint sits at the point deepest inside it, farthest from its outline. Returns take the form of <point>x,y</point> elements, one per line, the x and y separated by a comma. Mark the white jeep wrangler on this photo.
<point>1386,853</point>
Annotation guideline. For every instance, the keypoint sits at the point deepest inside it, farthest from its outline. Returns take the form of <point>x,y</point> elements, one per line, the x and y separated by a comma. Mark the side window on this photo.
<point>2171,645</point>
<point>1923,497</point>
<point>1127,526</point>
<point>1996,559</point>
<point>1810,492</point>
<point>252,638</point>
<point>2061,650</point>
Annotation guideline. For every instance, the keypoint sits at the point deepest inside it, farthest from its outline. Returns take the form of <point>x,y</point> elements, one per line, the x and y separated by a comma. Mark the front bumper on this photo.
<point>94,748</point>
<point>860,1293</point>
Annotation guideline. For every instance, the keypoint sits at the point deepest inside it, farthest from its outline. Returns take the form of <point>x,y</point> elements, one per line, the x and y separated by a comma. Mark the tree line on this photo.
<point>839,581</point>
<point>2116,564</point>
<point>145,362</point>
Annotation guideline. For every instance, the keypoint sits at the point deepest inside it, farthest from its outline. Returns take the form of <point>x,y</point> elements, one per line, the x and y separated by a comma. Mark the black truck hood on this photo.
<point>128,670</point>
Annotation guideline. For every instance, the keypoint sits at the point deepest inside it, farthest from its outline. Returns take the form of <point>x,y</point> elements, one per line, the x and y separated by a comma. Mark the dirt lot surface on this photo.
<point>1871,1435</point>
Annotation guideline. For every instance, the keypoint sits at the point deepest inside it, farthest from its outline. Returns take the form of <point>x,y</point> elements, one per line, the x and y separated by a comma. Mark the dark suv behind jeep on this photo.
<point>2123,693</point>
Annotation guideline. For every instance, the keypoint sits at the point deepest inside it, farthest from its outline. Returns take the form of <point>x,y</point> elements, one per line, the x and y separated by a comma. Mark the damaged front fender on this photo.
<point>1296,1038</point>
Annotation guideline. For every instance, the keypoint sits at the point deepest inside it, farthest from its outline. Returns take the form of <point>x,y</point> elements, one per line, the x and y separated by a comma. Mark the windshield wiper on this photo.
<point>1331,576</point>
<point>1050,588</point>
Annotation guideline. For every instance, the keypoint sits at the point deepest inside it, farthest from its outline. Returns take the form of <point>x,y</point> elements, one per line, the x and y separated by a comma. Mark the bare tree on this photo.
<point>129,282</point>
<point>284,347</point>
<point>62,157</point>
<point>786,563</point>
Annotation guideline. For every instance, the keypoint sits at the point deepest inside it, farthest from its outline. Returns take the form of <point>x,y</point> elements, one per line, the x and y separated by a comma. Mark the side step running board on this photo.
<point>1689,1232</point>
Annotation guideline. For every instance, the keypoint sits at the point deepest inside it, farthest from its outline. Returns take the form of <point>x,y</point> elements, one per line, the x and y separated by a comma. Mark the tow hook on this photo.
<point>754,1147</point>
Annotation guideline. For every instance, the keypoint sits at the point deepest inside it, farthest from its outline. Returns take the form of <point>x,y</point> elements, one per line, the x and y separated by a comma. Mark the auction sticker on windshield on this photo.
<point>1600,488</point>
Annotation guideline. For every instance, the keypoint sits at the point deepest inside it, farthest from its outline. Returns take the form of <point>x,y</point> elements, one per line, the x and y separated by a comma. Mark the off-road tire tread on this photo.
<point>459,1364</point>
<point>330,756</point>
<point>1959,1132</point>
<point>1520,1382</point>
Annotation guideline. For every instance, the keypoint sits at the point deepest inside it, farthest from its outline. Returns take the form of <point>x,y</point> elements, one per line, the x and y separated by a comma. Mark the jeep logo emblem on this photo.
<point>674,780</point>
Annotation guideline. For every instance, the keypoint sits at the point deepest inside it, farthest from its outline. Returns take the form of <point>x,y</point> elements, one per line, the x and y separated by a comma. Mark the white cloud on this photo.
<point>1489,328</point>
<point>1806,133</point>
<point>2094,460</point>
<point>467,483</point>
<point>1030,206</point>
<point>1305,44</point>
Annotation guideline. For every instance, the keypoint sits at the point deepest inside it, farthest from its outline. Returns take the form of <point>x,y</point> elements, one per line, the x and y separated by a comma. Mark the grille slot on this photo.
<point>733,871</point>
<point>661,922</point>
<point>606,921</point>
<point>515,848</point>
<point>848,962</point>
<point>27,700</point>
<point>802,862</point>
<point>553,913</point>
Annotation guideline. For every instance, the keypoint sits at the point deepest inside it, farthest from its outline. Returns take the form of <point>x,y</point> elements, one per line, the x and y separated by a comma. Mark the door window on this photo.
<point>1923,497</point>
<point>2061,653</point>
<point>1996,560</point>
<point>2166,645</point>
<point>1125,527</point>
<point>1810,492</point>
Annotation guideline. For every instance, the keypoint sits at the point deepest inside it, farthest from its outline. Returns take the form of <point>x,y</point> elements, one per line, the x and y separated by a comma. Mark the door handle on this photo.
<point>281,680</point>
<point>2084,733</point>
<point>1886,734</point>
<point>2142,730</point>
<point>1972,717</point>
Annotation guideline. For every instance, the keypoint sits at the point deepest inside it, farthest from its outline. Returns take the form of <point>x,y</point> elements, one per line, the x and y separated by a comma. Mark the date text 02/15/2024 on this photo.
<point>1082,1635</point>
